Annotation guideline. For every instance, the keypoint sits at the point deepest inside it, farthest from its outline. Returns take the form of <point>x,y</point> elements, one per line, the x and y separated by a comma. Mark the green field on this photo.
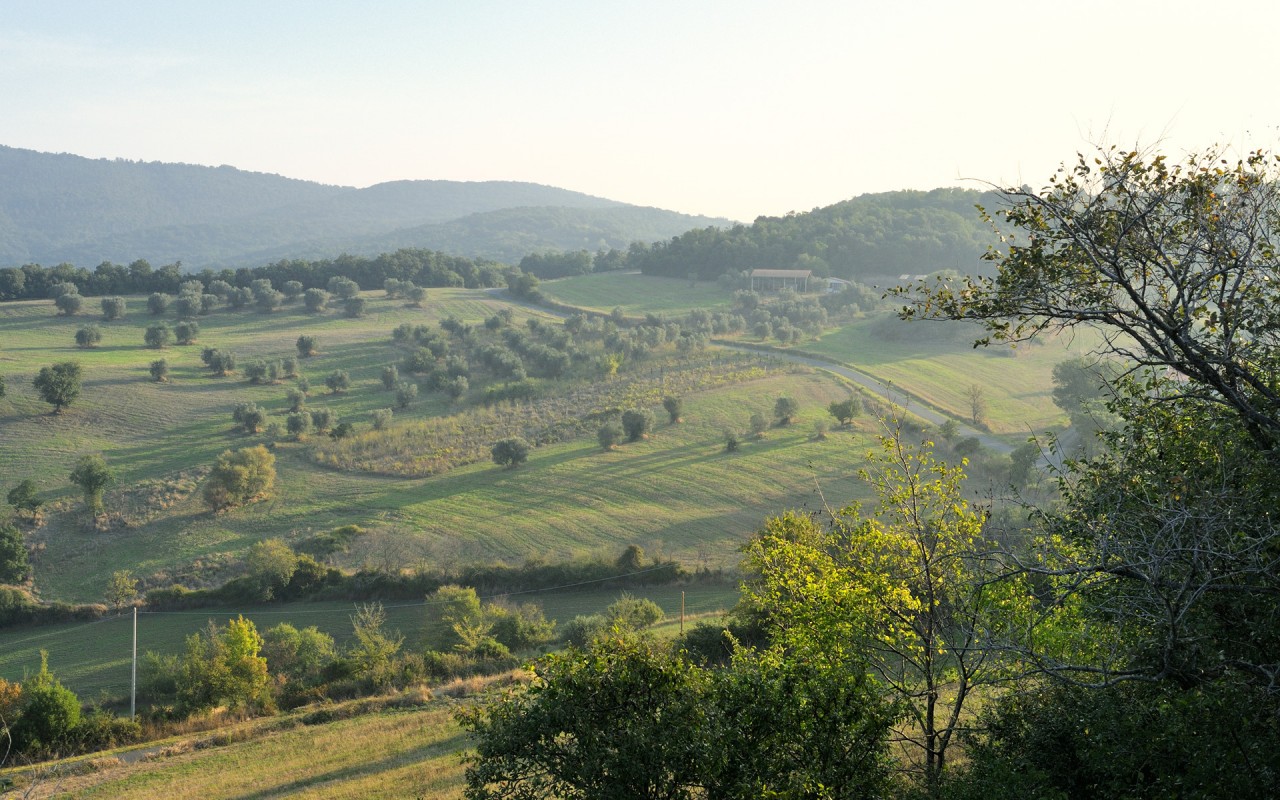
<point>637,294</point>
<point>414,751</point>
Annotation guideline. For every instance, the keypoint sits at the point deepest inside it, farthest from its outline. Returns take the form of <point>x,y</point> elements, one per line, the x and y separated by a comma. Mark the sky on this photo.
<point>730,109</point>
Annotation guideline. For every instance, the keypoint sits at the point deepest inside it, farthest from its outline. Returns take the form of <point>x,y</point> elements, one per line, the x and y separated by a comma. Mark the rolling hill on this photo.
<point>65,208</point>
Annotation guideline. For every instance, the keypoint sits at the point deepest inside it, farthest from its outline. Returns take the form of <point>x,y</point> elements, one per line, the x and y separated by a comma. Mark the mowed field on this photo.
<point>676,493</point>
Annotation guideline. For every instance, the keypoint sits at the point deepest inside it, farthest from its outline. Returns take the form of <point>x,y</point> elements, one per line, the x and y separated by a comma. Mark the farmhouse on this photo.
<point>771,280</point>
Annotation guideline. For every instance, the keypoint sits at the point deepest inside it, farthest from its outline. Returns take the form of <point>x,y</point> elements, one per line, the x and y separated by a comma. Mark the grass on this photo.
<point>93,659</point>
<point>389,753</point>
<point>637,294</point>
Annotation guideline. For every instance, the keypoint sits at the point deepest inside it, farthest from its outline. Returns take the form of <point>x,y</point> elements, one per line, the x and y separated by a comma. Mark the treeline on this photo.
<point>426,268</point>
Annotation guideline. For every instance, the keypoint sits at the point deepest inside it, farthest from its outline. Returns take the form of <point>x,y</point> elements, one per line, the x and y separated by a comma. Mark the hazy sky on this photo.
<point>732,109</point>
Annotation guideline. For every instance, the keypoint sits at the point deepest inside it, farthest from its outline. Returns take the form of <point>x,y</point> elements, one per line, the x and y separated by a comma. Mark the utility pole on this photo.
<point>133,680</point>
<point>682,612</point>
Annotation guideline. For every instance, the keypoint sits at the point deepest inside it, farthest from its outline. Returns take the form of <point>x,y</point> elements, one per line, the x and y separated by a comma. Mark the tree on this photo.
<point>249,416</point>
<point>511,452</point>
<point>732,441</point>
<point>609,435</point>
<point>269,300</point>
<point>382,417</point>
<point>338,381</point>
<point>636,423</point>
<point>1177,261</point>
<point>271,563</point>
<point>306,346</point>
<point>240,476</point>
<point>293,290</point>
<point>785,410</point>
<point>157,303</point>
<point>354,307</point>
<point>159,370</point>
<point>322,419</point>
<point>844,410</point>
<point>68,304</point>
<point>224,666</point>
<point>186,332</point>
<point>14,566</point>
<point>122,589</point>
<point>25,498</point>
<point>406,393</point>
<point>256,371</point>
<point>93,476</point>
<point>390,377</point>
<point>298,424</point>
<point>316,300</point>
<point>373,647</point>
<point>58,385</point>
<point>88,336</point>
<point>758,425</point>
<point>910,586</point>
<point>977,405</point>
<point>674,407</point>
<point>113,308</point>
<point>299,655</point>
<point>158,335</point>
<point>50,712</point>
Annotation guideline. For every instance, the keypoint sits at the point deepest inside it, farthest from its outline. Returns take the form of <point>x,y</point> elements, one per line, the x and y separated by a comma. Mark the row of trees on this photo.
<point>420,267</point>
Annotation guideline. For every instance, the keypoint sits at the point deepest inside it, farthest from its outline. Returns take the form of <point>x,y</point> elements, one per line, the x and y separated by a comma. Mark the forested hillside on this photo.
<point>65,208</point>
<point>869,236</point>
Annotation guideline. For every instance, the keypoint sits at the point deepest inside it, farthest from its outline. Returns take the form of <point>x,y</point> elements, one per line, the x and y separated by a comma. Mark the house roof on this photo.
<point>782,273</point>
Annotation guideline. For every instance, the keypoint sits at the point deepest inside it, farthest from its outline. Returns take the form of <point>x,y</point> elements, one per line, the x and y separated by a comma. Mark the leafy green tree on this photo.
<point>301,656</point>
<point>122,589</point>
<point>159,370</point>
<point>390,377</point>
<point>758,425</point>
<point>382,417</point>
<point>25,498</point>
<point>293,289</point>
<point>731,440</point>
<point>50,713</point>
<point>298,424</point>
<point>406,393</point>
<point>338,381</point>
<point>354,307</point>
<point>977,405</point>
<point>88,336</point>
<point>416,295</point>
<point>256,371</point>
<point>58,385</point>
<point>457,387</point>
<point>306,346</point>
<point>14,566</point>
<point>609,435</point>
<point>910,586</point>
<point>316,300</point>
<point>157,303</point>
<point>269,300</point>
<point>158,335</point>
<point>249,416</point>
<point>373,647</point>
<point>93,476</point>
<point>322,419</point>
<point>674,407</point>
<point>68,304</point>
<point>447,609</point>
<point>636,423</point>
<point>240,476</point>
<point>785,410</point>
<point>186,332</point>
<point>188,305</point>
<point>296,398</point>
<point>844,410</point>
<point>224,666</point>
<point>511,452</point>
<point>113,308</point>
<point>271,563</point>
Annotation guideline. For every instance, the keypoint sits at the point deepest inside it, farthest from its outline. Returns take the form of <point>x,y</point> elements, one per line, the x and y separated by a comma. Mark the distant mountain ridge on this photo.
<point>65,208</point>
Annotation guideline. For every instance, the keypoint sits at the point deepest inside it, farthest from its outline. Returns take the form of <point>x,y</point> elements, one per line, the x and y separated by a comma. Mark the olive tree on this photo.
<point>240,476</point>
<point>510,452</point>
<point>59,384</point>
<point>93,476</point>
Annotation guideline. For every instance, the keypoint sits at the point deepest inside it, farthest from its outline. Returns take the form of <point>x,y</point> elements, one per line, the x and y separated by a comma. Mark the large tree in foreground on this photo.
<point>1177,264</point>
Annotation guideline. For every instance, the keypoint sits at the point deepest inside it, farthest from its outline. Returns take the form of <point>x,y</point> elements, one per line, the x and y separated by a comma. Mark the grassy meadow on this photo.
<point>637,294</point>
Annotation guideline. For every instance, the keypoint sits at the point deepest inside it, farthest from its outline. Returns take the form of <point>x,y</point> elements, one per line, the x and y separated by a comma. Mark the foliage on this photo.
<point>338,381</point>
<point>785,410</point>
<point>25,498</point>
<point>300,655</point>
<point>58,385</point>
<point>636,423</point>
<point>510,452</point>
<point>122,589</point>
<point>113,308</point>
<point>731,440</point>
<point>406,393</point>
<point>157,335</point>
<point>845,410</point>
<point>186,332</point>
<point>159,370</point>
<point>88,336</point>
<point>240,476</point>
<point>14,566</point>
<point>609,435</point>
<point>93,476</point>
<point>758,425</point>
<point>373,647</point>
<point>249,416</point>
<point>271,563</point>
<point>50,713</point>
<point>674,407</point>
<point>306,345</point>
<point>224,666</point>
<point>68,304</point>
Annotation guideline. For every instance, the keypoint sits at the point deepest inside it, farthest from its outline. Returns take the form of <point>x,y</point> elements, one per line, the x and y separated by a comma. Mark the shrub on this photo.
<point>785,410</point>
<point>157,303</point>
<point>112,308</point>
<point>240,476</point>
<point>68,304</point>
<point>609,435</point>
<point>186,332</point>
<point>306,346</point>
<point>382,417</point>
<point>731,442</point>
<point>510,452</point>
<point>390,377</point>
<point>674,407</point>
<point>316,300</point>
<point>50,712</point>
<point>354,307</point>
<point>88,336</point>
<point>298,424</point>
<point>636,423</point>
<point>157,335</point>
<point>296,398</point>
<point>758,425</point>
<point>323,419</point>
<point>338,381</point>
<point>160,371</point>
<point>406,393</point>
<point>256,371</point>
<point>249,416</point>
